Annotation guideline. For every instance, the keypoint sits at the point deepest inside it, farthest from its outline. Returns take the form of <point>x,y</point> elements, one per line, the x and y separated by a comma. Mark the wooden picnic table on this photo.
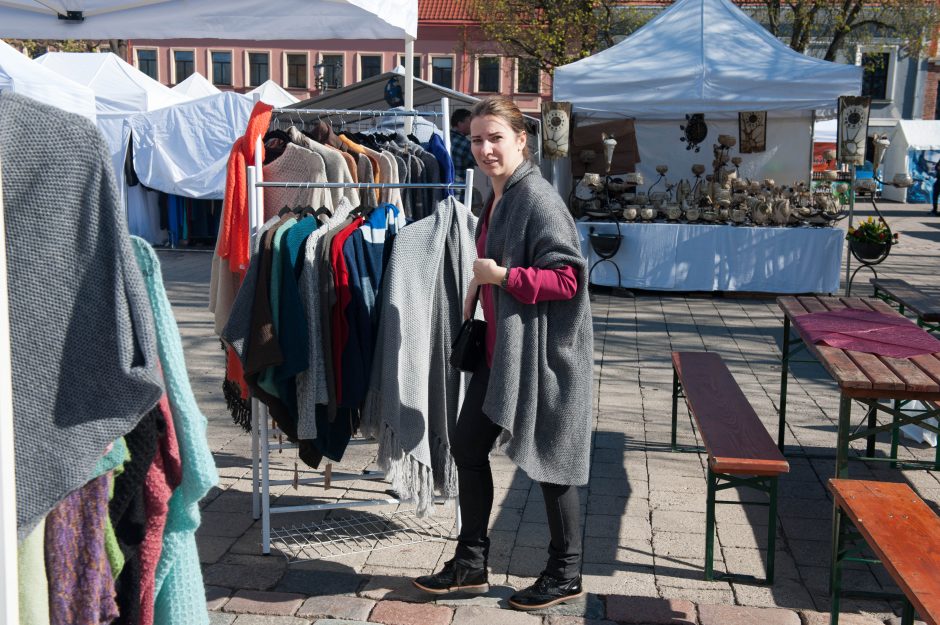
<point>863,377</point>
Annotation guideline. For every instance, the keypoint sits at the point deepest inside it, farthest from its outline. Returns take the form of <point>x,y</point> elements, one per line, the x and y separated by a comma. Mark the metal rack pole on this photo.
<point>9,584</point>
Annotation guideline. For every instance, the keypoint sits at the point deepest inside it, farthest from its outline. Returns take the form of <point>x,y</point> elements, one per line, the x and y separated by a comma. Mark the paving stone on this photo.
<point>255,619</point>
<point>650,611</point>
<point>393,587</point>
<point>497,596</point>
<point>679,521</point>
<point>478,615</point>
<point>401,613</point>
<point>740,615</point>
<point>265,603</point>
<point>349,608</point>
<point>784,593</point>
<point>555,619</point>
<point>823,618</point>
<point>321,577</point>
<point>212,548</point>
<point>229,524</point>
<point>335,621</point>
<point>219,618</point>
<point>216,596</point>
<point>895,620</point>
<point>243,576</point>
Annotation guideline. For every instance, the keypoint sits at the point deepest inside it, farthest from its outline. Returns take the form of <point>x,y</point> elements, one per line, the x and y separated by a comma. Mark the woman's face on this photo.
<point>495,146</point>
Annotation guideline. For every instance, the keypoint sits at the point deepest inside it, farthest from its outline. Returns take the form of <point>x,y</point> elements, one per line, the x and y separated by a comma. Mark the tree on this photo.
<point>555,32</point>
<point>35,47</point>
<point>831,26</point>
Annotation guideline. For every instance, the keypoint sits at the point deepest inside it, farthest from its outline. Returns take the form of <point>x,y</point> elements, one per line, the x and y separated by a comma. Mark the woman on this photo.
<point>534,388</point>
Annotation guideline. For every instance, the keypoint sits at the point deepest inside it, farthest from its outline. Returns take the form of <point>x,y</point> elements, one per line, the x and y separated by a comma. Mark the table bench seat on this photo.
<point>908,297</point>
<point>902,531</point>
<point>740,451</point>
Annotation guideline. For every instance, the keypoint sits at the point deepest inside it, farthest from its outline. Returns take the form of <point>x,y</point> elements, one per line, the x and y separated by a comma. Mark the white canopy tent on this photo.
<point>707,56</point>
<point>274,94</point>
<point>196,86</point>
<point>23,75</point>
<point>184,149</point>
<point>107,19</point>
<point>914,149</point>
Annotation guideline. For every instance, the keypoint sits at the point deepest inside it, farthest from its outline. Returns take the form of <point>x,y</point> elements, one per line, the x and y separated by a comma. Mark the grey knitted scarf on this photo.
<point>83,342</point>
<point>540,384</point>
<point>414,395</point>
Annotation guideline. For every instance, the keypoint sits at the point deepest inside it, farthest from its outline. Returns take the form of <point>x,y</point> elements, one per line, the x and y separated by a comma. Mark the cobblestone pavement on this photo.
<point>644,507</point>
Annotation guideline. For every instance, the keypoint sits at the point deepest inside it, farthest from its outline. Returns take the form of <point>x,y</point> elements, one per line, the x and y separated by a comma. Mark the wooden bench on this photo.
<point>740,451</point>
<point>905,296</point>
<point>903,533</point>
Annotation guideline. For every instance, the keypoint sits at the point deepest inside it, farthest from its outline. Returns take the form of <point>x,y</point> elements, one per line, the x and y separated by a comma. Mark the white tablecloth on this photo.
<point>687,257</point>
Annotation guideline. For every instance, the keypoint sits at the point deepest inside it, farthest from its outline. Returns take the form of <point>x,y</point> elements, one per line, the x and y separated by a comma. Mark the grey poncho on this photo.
<point>540,384</point>
<point>83,343</point>
<point>414,393</point>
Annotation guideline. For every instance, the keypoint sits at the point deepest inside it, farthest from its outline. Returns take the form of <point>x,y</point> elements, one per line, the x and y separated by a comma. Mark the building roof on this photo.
<point>445,11</point>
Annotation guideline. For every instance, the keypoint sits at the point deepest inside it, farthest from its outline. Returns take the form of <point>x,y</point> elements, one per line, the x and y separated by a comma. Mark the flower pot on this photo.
<point>867,250</point>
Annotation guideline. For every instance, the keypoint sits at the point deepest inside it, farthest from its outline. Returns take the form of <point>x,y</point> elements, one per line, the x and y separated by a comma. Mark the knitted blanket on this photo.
<point>82,336</point>
<point>180,593</point>
<point>540,386</point>
<point>414,393</point>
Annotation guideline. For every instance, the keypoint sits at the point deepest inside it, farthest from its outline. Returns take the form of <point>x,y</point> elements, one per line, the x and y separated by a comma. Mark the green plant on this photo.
<point>871,231</point>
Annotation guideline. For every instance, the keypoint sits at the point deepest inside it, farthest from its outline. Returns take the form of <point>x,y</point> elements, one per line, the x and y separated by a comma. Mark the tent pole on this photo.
<point>848,254</point>
<point>9,585</point>
<point>409,81</point>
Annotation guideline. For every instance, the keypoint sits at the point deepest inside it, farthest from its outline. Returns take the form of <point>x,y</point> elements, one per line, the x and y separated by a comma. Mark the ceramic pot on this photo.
<point>673,212</point>
<point>647,213</point>
<point>630,212</point>
<point>692,214</point>
<point>738,216</point>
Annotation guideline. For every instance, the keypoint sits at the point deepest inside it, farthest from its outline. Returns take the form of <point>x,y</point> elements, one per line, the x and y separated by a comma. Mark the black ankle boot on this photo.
<point>546,592</point>
<point>452,578</point>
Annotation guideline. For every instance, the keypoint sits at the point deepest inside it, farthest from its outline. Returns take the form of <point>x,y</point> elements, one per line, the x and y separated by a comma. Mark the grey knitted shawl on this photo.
<point>414,395</point>
<point>82,334</point>
<point>540,384</point>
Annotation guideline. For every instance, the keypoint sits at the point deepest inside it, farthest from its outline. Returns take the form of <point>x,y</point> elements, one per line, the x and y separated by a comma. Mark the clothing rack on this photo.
<point>342,538</point>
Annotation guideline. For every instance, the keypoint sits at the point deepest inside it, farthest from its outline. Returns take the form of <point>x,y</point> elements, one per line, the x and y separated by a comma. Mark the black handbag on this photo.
<point>469,347</point>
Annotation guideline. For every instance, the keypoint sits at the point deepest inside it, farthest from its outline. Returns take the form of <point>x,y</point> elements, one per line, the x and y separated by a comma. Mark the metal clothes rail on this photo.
<point>318,541</point>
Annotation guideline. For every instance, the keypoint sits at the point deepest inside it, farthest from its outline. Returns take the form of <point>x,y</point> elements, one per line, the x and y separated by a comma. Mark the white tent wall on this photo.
<point>21,74</point>
<point>196,86</point>
<point>184,149</point>
<point>787,159</point>
<point>915,147</point>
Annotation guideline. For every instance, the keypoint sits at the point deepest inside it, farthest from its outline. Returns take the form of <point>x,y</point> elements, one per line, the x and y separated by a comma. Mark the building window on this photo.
<point>331,71</point>
<point>488,74</point>
<point>147,62</point>
<point>296,71</point>
<point>527,76</point>
<point>222,68</point>
<point>369,65</point>
<point>875,77</point>
<point>259,69</point>
<point>184,64</point>
<point>416,65</point>
<point>442,71</point>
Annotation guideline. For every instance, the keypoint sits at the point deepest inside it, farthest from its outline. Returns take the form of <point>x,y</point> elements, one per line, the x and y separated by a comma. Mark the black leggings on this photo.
<point>471,443</point>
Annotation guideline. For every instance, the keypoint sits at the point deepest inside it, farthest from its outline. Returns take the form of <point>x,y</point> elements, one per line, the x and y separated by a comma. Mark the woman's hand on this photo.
<point>470,300</point>
<point>486,271</point>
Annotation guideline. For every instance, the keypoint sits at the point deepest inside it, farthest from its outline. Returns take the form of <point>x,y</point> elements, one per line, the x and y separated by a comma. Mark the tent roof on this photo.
<point>119,87</point>
<point>920,134</point>
<point>273,94</point>
<point>370,94</point>
<point>701,56</point>
<point>233,19</point>
<point>21,74</point>
<point>196,86</point>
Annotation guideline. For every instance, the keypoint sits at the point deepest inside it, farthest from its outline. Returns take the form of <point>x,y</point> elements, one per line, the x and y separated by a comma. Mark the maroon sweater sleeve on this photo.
<point>533,284</point>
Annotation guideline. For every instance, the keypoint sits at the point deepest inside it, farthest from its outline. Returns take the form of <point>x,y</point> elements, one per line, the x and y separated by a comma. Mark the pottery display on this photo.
<point>630,212</point>
<point>673,212</point>
<point>692,214</point>
<point>739,216</point>
<point>647,213</point>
